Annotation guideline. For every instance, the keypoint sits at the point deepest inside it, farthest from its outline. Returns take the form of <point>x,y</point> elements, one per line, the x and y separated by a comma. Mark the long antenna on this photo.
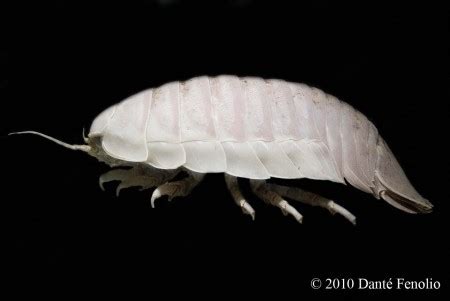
<point>84,148</point>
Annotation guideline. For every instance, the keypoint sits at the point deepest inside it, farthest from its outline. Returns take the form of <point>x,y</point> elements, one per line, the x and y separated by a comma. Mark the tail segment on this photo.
<point>393,186</point>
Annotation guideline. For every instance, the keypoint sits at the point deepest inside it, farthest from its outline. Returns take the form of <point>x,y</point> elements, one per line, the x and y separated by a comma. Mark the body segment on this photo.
<point>253,128</point>
<point>216,116</point>
<point>280,129</point>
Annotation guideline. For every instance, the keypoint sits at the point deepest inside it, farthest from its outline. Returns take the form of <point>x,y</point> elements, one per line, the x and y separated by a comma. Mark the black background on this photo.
<point>62,63</point>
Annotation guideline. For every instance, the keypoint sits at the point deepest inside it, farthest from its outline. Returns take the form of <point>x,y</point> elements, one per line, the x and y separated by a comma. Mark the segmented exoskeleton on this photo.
<point>249,128</point>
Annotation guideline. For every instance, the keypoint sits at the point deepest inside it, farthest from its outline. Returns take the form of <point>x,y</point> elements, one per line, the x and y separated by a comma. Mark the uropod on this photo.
<point>250,128</point>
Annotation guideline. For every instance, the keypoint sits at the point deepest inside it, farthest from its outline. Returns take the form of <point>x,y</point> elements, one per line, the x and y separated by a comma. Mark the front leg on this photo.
<point>177,188</point>
<point>143,176</point>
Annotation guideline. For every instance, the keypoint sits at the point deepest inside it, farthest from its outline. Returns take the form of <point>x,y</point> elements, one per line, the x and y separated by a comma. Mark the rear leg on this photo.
<point>312,199</point>
<point>263,190</point>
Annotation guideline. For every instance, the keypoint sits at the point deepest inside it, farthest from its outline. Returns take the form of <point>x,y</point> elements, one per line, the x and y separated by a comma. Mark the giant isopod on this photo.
<point>245,127</point>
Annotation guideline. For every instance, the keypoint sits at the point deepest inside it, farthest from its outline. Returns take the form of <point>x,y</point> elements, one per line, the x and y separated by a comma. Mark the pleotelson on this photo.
<point>247,127</point>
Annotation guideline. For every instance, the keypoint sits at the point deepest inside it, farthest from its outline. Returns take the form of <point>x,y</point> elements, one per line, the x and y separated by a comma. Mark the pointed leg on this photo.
<point>233,187</point>
<point>141,176</point>
<point>177,188</point>
<point>313,199</point>
<point>146,177</point>
<point>112,175</point>
<point>145,182</point>
<point>261,189</point>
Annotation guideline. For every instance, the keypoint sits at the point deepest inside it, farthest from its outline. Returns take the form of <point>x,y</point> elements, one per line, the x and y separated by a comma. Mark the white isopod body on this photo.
<point>251,128</point>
